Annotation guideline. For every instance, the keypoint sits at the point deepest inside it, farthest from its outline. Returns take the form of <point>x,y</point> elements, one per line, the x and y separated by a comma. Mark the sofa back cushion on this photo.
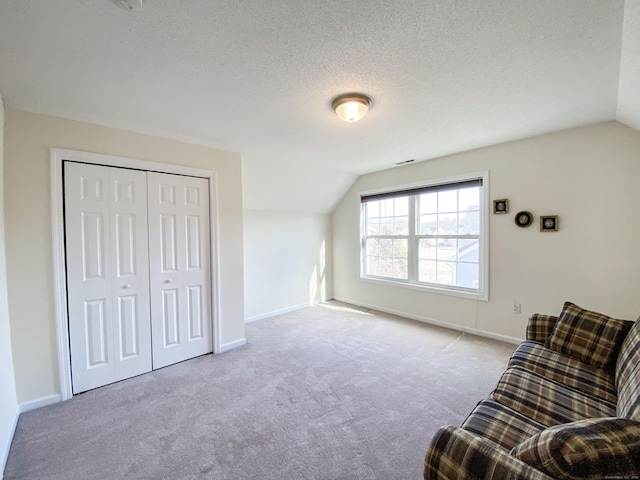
<point>591,337</point>
<point>540,326</point>
<point>628,375</point>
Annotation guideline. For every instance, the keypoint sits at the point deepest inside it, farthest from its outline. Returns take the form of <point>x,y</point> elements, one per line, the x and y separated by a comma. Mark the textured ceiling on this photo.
<point>257,77</point>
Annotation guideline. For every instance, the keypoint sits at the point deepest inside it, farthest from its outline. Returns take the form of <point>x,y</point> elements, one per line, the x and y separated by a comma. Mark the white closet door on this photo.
<point>179,259</point>
<point>107,274</point>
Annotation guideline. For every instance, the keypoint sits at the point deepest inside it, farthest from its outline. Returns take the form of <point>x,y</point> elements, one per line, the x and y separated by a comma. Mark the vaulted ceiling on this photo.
<point>257,77</point>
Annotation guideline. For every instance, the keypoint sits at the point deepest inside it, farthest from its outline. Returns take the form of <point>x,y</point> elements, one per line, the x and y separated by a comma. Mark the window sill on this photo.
<point>453,292</point>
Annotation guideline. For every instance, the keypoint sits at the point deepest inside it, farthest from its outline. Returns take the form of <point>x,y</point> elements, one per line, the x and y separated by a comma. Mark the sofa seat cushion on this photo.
<point>628,375</point>
<point>545,401</point>
<point>500,424</point>
<point>588,336</point>
<point>565,370</point>
<point>587,449</point>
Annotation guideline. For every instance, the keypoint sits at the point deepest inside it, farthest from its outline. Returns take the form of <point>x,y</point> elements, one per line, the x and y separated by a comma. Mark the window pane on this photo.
<point>470,221</point>
<point>469,197</point>
<point>429,203</point>
<point>447,224</point>
<point>457,262</point>
<point>445,273</point>
<point>386,226</point>
<point>448,201</point>
<point>387,217</point>
<point>373,247</point>
<point>459,212</point>
<point>386,247</point>
<point>386,207</point>
<point>427,271</point>
<point>401,206</point>
<point>428,248</point>
<point>428,224</point>
<point>468,275</point>
<point>400,257</point>
<point>401,226</point>
<point>468,250</point>
<point>372,266</point>
<point>400,269</point>
<point>447,249</point>
<point>372,209</point>
<point>373,226</point>
<point>387,257</point>
<point>401,216</point>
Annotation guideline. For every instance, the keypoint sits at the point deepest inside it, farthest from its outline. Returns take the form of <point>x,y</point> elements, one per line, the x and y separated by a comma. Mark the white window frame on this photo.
<point>482,293</point>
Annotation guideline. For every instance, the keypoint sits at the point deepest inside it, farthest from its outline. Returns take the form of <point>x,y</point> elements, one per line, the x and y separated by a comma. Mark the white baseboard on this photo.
<point>231,345</point>
<point>276,312</point>
<point>40,402</point>
<point>7,446</point>
<point>431,321</point>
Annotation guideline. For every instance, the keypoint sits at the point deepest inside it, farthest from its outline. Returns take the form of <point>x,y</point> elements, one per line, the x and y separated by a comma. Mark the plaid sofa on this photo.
<point>567,407</point>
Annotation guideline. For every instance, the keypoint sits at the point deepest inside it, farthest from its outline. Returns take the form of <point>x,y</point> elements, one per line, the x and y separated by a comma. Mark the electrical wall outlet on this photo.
<point>517,308</point>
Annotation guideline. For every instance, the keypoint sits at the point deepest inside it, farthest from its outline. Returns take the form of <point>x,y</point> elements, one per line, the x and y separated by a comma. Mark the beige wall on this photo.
<point>8,401</point>
<point>287,261</point>
<point>588,176</point>
<point>28,230</point>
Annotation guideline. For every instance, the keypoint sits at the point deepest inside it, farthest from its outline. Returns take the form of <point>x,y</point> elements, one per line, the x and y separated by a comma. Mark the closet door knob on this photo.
<point>126,285</point>
<point>168,280</point>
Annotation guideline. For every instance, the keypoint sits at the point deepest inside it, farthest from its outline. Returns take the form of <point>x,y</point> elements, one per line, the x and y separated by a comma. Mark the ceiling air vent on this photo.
<point>129,5</point>
<point>404,162</point>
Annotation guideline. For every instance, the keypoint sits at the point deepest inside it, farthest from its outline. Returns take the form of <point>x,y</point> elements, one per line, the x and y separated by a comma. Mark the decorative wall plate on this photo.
<point>523,218</point>
<point>549,223</point>
<point>501,206</point>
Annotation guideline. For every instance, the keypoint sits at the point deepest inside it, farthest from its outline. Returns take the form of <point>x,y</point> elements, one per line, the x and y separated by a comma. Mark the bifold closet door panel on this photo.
<point>179,262</point>
<point>107,274</point>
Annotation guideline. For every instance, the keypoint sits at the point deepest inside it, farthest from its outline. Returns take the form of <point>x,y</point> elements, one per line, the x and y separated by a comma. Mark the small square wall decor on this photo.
<point>501,206</point>
<point>549,223</point>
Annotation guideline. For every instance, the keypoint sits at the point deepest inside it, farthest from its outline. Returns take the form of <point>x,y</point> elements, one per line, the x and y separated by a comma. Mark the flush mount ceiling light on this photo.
<point>351,107</point>
<point>129,5</point>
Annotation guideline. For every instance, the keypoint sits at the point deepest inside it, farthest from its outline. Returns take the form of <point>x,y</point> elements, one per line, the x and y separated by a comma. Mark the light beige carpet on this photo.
<point>327,392</point>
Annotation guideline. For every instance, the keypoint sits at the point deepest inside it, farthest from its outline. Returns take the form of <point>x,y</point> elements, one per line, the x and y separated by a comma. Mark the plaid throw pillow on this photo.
<point>587,449</point>
<point>588,336</point>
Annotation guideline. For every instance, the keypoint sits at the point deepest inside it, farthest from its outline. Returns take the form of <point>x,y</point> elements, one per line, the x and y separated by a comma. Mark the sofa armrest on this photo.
<point>455,453</point>
<point>539,327</point>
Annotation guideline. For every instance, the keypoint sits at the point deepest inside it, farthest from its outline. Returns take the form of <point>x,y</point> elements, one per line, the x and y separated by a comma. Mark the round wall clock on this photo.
<point>523,219</point>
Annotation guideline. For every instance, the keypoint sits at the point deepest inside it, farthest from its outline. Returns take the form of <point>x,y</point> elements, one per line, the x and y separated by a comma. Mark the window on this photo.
<point>428,236</point>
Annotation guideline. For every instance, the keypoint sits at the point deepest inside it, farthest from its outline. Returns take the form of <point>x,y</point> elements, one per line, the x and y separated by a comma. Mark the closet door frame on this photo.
<point>57,157</point>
